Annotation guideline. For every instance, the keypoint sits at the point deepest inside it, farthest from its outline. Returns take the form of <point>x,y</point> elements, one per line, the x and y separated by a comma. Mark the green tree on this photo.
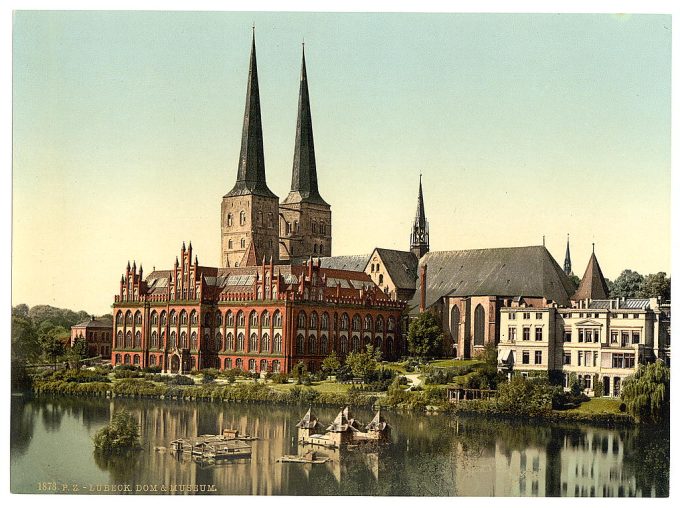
<point>331,363</point>
<point>627,284</point>
<point>575,387</point>
<point>76,352</point>
<point>647,392</point>
<point>25,348</point>
<point>364,364</point>
<point>299,371</point>
<point>120,436</point>
<point>52,339</point>
<point>575,279</point>
<point>425,336</point>
<point>656,285</point>
<point>532,395</point>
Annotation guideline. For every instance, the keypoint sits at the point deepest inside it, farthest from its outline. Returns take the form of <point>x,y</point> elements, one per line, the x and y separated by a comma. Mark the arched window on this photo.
<point>154,339</point>
<point>356,322</point>
<point>230,219</point>
<point>368,323</point>
<point>391,323</point>
<point>230,342</point>
<point>128,339</point>
<point>243,243</point>
<point>259,218</point>
<point>119,339</point>
<point>324,321</point>
<point>128,318</point>
<point>184,340</point>
<point>356,344</point>
<point>455,324</point>
<point>138,318</point>
<point>480,325</point>
<point>218,341</point>
<point>321,249</point>
<point>270,222</point>
<point>323,346</point>
<point>118,358</point>
<point>252,343</point>
<point>239,363</point>
<point>183,317</point>
<point>230,244</point>
<point>389,345</point>
<point>313,318</point>
<point>126,359</point>
<point>207,340</point>
<point>253,319</point>
<point>152,360</point>
<point>378,343</point>
<point>343,345</point>
<point>240,342</point>
<point>218,318</point>
<point>367,340</point>
<point>194,317</point>
<point>278,343</point>
<point>119,318</point>
<point>135,360</point>
<point>278,321</point>
<point>173,339</point>
<point>265,343</point>
<point>263,365</point>
<point>251,365</point>
<point>344,322</point>
<point>380,279</point>
<point>302,320</point>
<point>265,320</point>
<point>227,363</point>
<point>300,345</point>
<point>379,324</point>
<point>208,319</point>
<point>230,318</point>
<point>276,366</point>
<point>311,345</point>
<point>173,317</point>
<point>242,218</point>
<point>154,318</point>
<point>241,318</point>
<point>161,341</point>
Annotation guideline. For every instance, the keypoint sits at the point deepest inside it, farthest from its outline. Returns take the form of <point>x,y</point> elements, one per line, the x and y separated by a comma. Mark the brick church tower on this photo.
<point>305,224</point>
<point>420,235</point>
<point>249,220</point>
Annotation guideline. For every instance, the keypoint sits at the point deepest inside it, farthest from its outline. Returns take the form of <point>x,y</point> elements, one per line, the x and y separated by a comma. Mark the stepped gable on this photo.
<point>510,271</point>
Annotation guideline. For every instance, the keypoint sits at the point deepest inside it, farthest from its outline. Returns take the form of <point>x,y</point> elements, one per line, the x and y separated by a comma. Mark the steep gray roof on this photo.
<point>510,271</point>
<point>401,265</point>
<point>355,263</point>
<point>628,303</point>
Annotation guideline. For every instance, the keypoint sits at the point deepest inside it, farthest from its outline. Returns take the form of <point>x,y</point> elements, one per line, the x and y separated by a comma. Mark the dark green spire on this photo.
<point>304,186</point>
<point>251,178</point>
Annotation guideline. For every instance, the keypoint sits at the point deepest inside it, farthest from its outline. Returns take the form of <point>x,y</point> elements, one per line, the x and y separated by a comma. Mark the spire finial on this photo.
<point>543,240</point>
<point>593,247</point>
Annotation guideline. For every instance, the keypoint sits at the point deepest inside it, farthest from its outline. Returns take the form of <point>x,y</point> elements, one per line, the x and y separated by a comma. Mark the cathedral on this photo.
<point>252,217</point>
<point>271,304</point>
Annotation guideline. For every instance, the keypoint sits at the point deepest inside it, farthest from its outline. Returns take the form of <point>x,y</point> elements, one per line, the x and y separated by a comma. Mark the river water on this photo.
<point>51,448</point>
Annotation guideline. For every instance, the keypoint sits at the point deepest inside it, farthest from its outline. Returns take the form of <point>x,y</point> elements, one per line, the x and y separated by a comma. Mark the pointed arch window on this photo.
<point>313,318</point>
<point>265,319</point>
<point>278,343</point>
<point>252,343</point>
<point>183,318</point>
<point>128,340</point>
<point>368,323</point>
<point>324,321</point>
<point>265,343</point>
<point>154,339</point>
<point>300,345</point>
<point>253,319</point>
<point>194,341</point>
<point>343,345</point>
<point>278,321</point>
<point>356,344</point>
<point>455,324</point>
<point>323,345</point>
<point>119,318</point>
<point>184,340</point>
<point>230,318</point>
<point>230,220</point>
<point>230,341</point>
<point>356,322</point>
<point>240,342</point>
<point>241,318</point>
<point>311,345</point>
<point>480,325</point>
<point>302,320</point>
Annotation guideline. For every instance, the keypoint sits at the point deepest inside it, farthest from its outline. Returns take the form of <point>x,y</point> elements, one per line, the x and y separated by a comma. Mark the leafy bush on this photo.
<point>84,376</point>
<point>181,380</point>
<point>527,396</point>
<point>280,378</point>
<point>152,369</point>
<point>120,436</point>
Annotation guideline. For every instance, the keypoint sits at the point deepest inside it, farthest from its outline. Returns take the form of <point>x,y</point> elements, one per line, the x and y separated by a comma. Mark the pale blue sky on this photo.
<point>127,127</point>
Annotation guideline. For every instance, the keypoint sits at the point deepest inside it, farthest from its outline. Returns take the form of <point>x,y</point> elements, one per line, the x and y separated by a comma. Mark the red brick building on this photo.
<point>257,318</point>
<point>97,335</point>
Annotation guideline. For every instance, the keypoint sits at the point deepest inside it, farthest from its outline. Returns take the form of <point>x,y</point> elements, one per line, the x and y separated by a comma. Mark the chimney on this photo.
<point>423,287</point>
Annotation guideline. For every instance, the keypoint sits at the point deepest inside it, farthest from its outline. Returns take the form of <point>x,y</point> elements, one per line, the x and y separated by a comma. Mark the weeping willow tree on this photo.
<point>647,393</point>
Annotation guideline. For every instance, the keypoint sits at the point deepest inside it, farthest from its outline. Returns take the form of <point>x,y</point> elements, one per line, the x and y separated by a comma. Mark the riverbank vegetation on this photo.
<point>121,436</point>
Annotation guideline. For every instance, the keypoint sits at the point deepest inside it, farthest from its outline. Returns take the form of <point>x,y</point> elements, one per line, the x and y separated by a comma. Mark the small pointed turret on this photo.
<point>593,284</point>
<point>250,178</point>
<point>420,235</point>
<point>567,259</point>
<point>304,186</point>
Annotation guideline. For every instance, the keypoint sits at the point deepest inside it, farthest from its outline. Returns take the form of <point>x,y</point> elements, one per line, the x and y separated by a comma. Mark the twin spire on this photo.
<point>251,177</point>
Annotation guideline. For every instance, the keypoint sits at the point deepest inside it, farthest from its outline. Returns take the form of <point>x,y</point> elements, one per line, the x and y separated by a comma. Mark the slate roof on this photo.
<point>627,304</point>
<point>511,271</point>
<point>401,265</point>
<point>593,286</point>
<point>96,323</point>
<point>355,263</point>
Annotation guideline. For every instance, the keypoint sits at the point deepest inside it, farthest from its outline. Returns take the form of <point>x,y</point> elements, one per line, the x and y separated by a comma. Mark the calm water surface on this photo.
<point>51,441</point>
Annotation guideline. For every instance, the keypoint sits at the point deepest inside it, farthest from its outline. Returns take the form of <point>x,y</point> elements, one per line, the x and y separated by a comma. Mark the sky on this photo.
<point>126,134</point>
